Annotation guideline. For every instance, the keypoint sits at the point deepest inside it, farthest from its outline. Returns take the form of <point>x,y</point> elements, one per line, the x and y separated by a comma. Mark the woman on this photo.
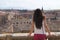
<point>39,25</point>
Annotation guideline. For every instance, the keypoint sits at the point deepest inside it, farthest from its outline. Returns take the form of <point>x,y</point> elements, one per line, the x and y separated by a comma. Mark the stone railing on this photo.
<point>24,37</point>
<point>9,37</point>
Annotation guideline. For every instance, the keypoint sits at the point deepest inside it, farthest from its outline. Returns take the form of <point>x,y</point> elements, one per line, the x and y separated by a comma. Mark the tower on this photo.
<point>42,10</point>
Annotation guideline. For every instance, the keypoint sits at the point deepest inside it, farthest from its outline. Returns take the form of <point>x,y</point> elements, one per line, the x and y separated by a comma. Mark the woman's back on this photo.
<point>39,31</point>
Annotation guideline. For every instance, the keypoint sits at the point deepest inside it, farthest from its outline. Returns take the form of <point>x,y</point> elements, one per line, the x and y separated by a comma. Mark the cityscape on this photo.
<point>18,21</point>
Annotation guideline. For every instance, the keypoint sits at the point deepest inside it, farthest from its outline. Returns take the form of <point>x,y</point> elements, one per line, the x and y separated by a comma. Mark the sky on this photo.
<point>30,4</point>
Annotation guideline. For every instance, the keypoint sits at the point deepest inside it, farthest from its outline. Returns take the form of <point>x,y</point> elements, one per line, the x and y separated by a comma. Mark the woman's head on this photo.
<point>38,18</point>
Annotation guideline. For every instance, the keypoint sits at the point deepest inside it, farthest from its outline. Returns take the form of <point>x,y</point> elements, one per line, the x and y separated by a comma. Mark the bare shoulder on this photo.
<point>44,17</point>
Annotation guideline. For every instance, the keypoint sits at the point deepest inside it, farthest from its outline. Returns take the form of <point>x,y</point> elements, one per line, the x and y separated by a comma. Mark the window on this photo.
<point>17,23</point>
